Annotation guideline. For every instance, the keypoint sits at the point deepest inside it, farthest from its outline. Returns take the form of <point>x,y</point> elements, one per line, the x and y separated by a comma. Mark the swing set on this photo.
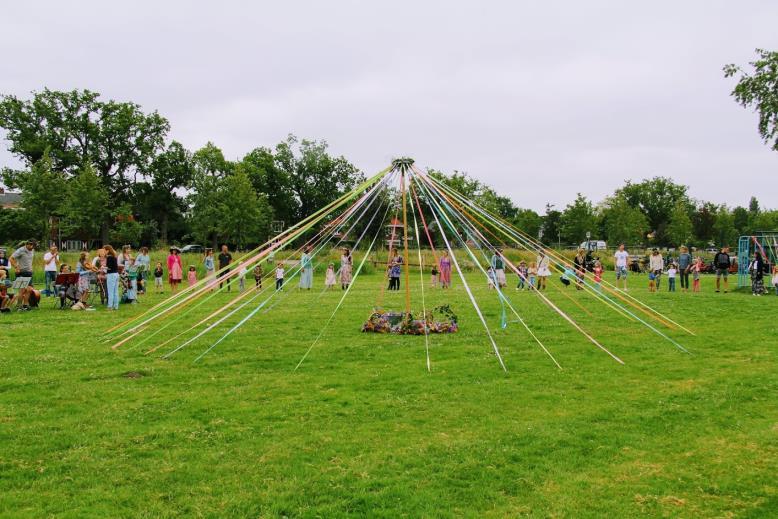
<point>766,243</point>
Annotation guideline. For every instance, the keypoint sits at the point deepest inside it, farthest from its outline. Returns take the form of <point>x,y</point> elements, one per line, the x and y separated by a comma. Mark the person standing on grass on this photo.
<point>175,269</point>
<point>279,276</point>
<point>258,276</point>
<point>158,275</point>
<point>756,269</point>
<point>775,279</point>
<point>100,263</point>
<point>671,273</point>
<point>696,271</point>
<point>329,277</point>
<point>579,262</point>
<point>85,269</point>
<point>112,277</point>
<point>346,264</point>
<point>523,272</point>
<point>620,262</point>
<point>143,264</point>
<point>127,261</point>
<point>208,263</point>
<point>225,258</point>
<point>656,264</point>
<point>306,274</point>
<point>598,275</point>
<point>684,267</point>
<point>21,260</point>
<point>722,263</point>
<point>444,269</point>
<point>498,265</point>
<point>50,268</point>
<point>544,270</point>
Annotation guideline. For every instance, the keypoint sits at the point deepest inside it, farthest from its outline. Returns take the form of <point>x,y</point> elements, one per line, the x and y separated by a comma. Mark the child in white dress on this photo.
<point>329,277</point>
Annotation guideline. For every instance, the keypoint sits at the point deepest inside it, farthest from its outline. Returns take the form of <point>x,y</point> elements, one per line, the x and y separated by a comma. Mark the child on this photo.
<point>522,275</point>
<point>191,276</point>
<point>696,269</point>
<point>532,271</point>
<point>242,277</point>
<point>329,277</point>
<point>279,276</point>
<point>126,284</point>
<point>492,277</point>
<point>158,274</point>
<point>567,275</point>
<point>775,279</point>
<point>651,282</point>
<point>598,275</point>
<point>671,272</point>
<point>434,278</point>
<point>258,276</point>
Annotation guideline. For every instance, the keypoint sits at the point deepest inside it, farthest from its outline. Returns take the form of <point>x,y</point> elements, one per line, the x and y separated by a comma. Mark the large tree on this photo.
<point>656,197</point>
<point>245,216</point>
<point>622,222</point>
<point>551,229</point>
<point>679,230</point>
<point>759,90</point>
<point>85,206</point>
<point>270,179</point>
<point>170,170</point>
<point>577,219</point>
<point>118,138</point>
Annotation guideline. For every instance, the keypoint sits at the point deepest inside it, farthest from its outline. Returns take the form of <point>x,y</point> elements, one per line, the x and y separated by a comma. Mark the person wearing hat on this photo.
<point>174,268</point>
<point>656,264</point>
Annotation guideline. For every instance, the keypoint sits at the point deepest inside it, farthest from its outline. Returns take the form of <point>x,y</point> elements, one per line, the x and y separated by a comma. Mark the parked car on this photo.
<point>593,245</point>
<point>192,248</point>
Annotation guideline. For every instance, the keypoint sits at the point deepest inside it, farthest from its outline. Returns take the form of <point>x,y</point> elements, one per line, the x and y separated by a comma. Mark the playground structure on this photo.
<point>766,242</point>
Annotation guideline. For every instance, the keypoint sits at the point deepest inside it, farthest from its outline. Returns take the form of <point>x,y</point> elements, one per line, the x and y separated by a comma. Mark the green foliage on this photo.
<point>552,226</point>
<point>656,198</point>
<point>126,230</point>
<point>703,221</point>
<point>528,221</point>
<point>724,232</point>
<point>622,222</point>
<point>86,205</point>
<point>245,217</point>
<point>17,225</point>
<point>577,219</point>
<point>679,230</point>
<point>759,90</point>
<point>275,182</point>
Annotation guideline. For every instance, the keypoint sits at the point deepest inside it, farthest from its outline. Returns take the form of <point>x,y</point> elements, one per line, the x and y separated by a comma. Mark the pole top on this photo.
<point>402,164</point>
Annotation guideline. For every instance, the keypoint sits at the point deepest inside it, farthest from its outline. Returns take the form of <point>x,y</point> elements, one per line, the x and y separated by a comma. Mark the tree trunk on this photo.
<point>163,228</point>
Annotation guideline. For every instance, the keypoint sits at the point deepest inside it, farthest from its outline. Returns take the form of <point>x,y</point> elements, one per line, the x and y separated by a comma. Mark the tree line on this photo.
<point>108,171</point>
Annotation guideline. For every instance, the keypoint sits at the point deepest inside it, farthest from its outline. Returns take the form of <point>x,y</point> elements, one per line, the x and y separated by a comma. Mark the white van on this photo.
<point>593,245</point>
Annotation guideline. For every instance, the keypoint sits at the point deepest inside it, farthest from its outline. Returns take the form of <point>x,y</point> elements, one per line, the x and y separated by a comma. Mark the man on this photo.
<point>225,258</point>
<point>722,263</point>
<point>498,265</point>
<point>657,265</point>
<point>21,260</point>
<point>50,269</point>
<point>621,261</point>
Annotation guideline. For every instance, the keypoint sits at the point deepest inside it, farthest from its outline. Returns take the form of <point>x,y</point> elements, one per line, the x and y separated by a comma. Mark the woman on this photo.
<point>210,267</point>
<point>174,268</point>
<point>756,269</point>
<point>395,270</point>
<point>346,264</point>
<point>112,277</point>
<point>684,267</point>
<point>306,274</point>
<point>544,271</point>
<point>579,262</point>
<point>143,265</point>
<point>99,262</point>
<point>85,271</point>
<point>444,270</point>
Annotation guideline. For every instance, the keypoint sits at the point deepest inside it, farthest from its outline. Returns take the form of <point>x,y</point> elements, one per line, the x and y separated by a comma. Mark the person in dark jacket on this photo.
<point>756,269</point>
<point>722,263</point>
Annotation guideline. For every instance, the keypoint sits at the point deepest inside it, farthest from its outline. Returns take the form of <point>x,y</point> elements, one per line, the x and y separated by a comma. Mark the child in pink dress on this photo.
<point>192,275</point>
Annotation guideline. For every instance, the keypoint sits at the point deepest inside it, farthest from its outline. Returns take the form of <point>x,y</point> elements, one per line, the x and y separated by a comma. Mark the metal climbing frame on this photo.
<point>764,241</point>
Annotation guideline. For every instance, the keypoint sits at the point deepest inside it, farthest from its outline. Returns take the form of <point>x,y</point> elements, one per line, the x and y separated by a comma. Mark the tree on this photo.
<point>656,198</point>
<point>759,90</point>
<point>622,222</point>
<point>86,205</point>
<point>209,169</point>
<point>43,190</point>
<point>679,230</point>
<point>119,139</point>
<point>126,229</point>
<point>245,216</point>
<point>577,219</point>
<point>268,178</point>
<point>170,170</point>
<point>551,228</point>
<point>741,220</point>
<point>724,232</point>
<point>703,222</point>
<point>528,221</point>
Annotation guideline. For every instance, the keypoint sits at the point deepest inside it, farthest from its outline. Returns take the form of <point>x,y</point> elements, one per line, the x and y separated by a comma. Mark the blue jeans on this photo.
<point>50,277</point>
<point>112,281</point>
<point>671,284</point>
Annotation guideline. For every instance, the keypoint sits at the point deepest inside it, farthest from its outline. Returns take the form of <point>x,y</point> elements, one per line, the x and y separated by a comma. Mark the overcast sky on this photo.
<point>539,99</point>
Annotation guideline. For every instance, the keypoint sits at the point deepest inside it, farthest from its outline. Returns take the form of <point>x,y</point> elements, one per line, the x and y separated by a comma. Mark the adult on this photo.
<point>225,258</point>
<point>722,262</point>
<point>175,269</point>
<point>306,272</point>
<point>100,262</point>
<point>579,262</point>
<point>684,267</point>
<point>498,267</point>
<point>21,260</point>
<point>620,262</point>
<point>346,264</point>
<point>395,270</point>
<point>756,269</point>
<point>50,268</point>
<point>86,270</point>
<point>208,263</point>
<point>143,265</point>
<point>544,270</point>
<point>444,270</point>
<point>656,264</point>
<point>127,261</point>
<point>29,297</point>
<point>112,277</point>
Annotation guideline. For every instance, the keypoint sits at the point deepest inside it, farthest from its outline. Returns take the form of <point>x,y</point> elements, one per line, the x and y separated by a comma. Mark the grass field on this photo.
<point>363,429</point>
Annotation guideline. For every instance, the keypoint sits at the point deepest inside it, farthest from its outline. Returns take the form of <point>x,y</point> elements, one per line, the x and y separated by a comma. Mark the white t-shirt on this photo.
<point>279,273</point>
<point>671,272</point>
<point>621,258</point>
<point>50,267</point>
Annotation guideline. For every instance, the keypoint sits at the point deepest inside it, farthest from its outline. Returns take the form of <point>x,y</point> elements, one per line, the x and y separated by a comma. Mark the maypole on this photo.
<point>404,166</point>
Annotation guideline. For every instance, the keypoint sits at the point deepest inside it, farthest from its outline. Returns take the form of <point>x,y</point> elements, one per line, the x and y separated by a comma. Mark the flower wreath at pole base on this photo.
<point>405,324</point>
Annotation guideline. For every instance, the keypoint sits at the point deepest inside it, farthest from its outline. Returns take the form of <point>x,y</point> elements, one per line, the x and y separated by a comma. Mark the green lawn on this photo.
<point>363,429</point>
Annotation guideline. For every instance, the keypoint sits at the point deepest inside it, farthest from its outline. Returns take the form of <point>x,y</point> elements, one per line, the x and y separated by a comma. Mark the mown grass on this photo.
<point>363,429</point>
